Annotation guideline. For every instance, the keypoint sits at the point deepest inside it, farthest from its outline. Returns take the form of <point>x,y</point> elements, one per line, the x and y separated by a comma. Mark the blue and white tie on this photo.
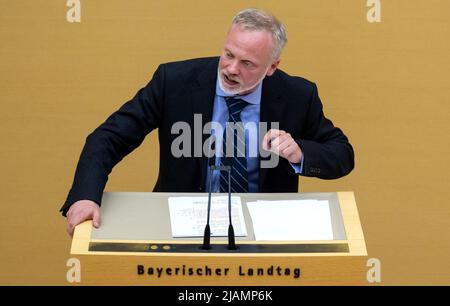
<point>238,162</point>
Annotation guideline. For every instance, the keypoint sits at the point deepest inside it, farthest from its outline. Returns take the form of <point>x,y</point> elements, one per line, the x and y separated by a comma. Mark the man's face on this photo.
<point>246,60</point>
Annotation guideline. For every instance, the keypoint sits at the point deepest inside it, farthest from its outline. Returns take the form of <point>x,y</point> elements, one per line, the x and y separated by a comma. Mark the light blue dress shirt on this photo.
<point>249,114</point>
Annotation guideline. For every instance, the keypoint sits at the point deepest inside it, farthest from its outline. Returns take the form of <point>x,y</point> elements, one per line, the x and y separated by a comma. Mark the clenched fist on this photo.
<point>282,144</point>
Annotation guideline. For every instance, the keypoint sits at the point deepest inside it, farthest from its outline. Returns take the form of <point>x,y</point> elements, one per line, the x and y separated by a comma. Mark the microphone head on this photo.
<point>207,238</point>
<point>231,238</point>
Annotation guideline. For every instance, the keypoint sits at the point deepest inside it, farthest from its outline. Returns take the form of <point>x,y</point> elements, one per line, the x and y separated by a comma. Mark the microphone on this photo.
<point>226,166</point>
<point>207,233</point>
<point>231,236</point>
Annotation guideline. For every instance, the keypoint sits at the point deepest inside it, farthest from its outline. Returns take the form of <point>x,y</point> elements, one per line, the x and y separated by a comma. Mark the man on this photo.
<point>242,86</point>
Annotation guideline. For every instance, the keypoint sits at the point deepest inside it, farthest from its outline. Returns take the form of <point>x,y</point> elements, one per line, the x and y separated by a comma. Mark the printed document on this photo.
<point>188,216</point>
<point>291,220</point>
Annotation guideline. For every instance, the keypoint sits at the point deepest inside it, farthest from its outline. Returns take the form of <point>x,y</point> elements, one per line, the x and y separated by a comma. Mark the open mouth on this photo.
<point>229,81</point>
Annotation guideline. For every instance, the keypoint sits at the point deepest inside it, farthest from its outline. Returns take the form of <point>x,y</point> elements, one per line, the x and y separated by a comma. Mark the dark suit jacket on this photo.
<point>180,89</point>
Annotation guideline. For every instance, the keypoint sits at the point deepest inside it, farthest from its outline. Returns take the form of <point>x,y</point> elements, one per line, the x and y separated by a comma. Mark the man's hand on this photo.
<point>81,211</point>
<point>282,144</point>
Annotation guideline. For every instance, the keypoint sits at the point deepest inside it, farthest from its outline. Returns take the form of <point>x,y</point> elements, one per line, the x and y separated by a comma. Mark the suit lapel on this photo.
<point>272,107</point>
<point>202,100</point>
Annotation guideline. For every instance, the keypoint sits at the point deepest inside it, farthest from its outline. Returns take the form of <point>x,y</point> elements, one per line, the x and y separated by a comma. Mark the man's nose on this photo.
<point>233,68</point>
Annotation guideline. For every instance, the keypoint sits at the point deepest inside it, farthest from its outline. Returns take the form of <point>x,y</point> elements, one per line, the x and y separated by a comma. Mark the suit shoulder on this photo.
<point>294,80</point>
<point>190,65</point>
<point>185,73</point>
<point>293,84</point>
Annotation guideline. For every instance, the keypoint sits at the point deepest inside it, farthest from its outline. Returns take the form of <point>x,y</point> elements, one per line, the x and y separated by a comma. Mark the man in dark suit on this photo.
<point>242,86</point>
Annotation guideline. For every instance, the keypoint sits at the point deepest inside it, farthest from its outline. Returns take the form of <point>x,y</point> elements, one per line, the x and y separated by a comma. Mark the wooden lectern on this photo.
<point>134,246</point>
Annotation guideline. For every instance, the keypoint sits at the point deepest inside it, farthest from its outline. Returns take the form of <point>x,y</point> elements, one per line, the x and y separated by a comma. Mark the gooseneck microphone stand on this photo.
<point>207,233</point>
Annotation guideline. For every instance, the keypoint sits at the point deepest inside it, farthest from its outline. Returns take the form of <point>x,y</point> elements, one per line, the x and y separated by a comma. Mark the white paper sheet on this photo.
<point>188,216</point>
<point>291,220</point>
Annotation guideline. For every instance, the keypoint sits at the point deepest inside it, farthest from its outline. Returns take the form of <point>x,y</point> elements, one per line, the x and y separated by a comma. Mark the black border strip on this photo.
<point>218,248</point>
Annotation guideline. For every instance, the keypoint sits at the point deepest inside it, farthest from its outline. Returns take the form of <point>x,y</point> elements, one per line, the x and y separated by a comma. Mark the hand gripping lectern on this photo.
<point>134,246</point>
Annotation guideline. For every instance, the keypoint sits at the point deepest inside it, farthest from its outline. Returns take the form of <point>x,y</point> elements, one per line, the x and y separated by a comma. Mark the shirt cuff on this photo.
<point>298,168</point>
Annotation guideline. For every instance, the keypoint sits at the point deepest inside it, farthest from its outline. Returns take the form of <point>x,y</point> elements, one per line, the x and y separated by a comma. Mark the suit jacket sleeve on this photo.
<point>120,134</point>
<point>327,151</point>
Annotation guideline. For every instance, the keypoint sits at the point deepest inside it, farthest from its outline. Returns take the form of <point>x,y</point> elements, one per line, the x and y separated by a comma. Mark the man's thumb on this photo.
<point>96,219</point>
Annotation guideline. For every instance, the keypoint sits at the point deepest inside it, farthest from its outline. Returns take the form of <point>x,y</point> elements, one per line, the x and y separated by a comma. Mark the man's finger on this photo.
<point>270,136</point>
<point>96,218</point>
<point>283,142</point>
<point>266,143</point>
<point>69,230</point>
<point>279,143</point>
<point>289,150</point>
<point>274,133</point>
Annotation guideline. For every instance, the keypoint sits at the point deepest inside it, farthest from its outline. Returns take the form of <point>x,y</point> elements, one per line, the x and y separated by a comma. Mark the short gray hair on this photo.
<point>254,19</point>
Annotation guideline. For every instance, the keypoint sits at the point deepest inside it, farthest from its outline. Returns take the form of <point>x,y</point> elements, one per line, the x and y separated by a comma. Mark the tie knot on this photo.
<point>235,106</point>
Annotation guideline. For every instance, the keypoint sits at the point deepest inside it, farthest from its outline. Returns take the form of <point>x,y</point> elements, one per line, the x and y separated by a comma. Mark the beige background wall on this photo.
<point>385,84</point>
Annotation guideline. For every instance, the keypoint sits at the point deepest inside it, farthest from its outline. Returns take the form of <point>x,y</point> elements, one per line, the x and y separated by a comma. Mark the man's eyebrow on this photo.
<point>242,60</point>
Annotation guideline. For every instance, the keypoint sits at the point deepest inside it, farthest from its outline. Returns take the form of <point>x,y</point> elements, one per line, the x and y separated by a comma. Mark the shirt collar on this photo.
<point>253,98</point>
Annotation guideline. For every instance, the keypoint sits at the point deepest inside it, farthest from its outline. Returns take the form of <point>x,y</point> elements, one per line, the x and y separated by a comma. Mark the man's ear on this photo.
<point>273,67</point>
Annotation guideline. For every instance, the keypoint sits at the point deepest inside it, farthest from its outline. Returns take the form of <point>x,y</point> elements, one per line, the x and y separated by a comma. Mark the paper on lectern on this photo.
<point>188,216</point>
<point>291,220</point>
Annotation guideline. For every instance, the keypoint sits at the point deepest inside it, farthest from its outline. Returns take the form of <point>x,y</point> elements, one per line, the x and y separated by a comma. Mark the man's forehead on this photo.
<point>248,34</point>
<point>248,41</point>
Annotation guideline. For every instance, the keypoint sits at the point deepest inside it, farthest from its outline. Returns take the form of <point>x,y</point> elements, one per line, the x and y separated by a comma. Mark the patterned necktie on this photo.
<point>238,161</point>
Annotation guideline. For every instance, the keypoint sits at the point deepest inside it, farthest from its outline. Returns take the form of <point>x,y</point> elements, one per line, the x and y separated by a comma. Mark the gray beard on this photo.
<point>239,90</point>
